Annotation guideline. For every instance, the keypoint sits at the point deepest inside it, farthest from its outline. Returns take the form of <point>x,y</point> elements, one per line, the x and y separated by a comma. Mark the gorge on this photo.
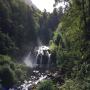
<point>41,50</point>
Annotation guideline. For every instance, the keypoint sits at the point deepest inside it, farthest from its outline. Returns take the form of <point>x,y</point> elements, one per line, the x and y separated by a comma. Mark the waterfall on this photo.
<point>49,59</point>
<point>41,58</point>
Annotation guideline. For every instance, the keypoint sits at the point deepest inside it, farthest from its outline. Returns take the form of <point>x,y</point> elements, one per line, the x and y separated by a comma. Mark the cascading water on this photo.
<point>43,56</point>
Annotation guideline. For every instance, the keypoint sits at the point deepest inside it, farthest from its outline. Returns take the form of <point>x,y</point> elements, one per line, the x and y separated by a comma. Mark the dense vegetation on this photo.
<point>18,32</point>
<point>18,27</point>
<point>46,85</point>
<point>72,46</point>
<point>21,26</point>
<point>48,24</point>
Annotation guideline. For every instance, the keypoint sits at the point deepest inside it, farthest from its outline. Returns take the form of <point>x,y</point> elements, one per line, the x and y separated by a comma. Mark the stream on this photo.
<point>36,78</point>
<point>43,60</point>
<point>33,81</point>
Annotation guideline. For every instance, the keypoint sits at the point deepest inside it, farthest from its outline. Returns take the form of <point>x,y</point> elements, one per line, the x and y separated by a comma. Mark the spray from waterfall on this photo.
<point>28,61</point>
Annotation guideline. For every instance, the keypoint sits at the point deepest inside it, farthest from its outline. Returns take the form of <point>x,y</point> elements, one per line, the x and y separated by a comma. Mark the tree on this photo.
<point>7,77</point>
<point>73,58</point>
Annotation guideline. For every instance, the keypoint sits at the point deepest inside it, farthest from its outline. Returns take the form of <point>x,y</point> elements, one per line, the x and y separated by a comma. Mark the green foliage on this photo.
<point>73,48</point>
<point>20,74</point>
<point>53,47</point>
<point>7,76</point>
<point>46,85</point>
<point>6,44</point>
<point>48,24</point>
<point>19,25</point>
<point>75,85</point>
<point>11,72</point>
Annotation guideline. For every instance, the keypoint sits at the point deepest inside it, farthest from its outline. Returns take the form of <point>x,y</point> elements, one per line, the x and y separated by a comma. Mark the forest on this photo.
<point>66,31</point>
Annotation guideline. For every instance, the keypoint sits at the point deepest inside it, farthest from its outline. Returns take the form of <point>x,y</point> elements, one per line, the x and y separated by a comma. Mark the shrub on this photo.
<point>46,85</point>
<point>7,76</point>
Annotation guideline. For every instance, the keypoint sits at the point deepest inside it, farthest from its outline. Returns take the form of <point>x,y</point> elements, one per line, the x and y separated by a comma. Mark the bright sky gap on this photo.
<point>45,4</point>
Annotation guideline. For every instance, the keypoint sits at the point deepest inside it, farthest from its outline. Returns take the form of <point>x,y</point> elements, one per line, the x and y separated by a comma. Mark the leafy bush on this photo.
<point>4,59</point>
<point>7,76</point>
<point>10,72</point>
<point>46,85</point>
<point>75,85</point>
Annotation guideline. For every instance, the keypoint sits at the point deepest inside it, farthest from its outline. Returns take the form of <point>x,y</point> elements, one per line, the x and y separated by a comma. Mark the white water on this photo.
<point>49,60</point>
<point>32,62</point>
<point>33,82</point>
<point>42,50</point>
